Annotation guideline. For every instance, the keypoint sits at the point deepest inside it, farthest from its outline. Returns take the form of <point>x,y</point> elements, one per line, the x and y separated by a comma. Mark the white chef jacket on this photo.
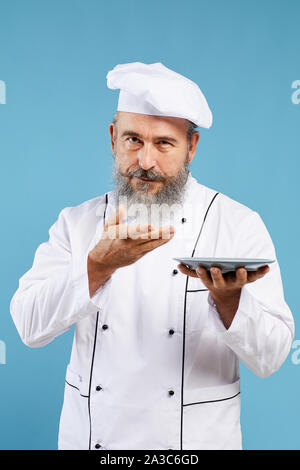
<point>152,365</point>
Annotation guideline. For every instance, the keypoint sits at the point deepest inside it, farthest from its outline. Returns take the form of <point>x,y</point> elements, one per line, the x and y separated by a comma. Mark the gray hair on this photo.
<point>191,127</point>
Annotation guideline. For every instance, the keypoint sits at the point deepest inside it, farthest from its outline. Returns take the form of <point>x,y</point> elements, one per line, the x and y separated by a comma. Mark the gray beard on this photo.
<point>171,193</point>
<point>159,208</point>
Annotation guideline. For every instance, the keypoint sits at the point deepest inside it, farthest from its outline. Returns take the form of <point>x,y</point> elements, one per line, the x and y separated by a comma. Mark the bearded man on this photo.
<point>157,345</point>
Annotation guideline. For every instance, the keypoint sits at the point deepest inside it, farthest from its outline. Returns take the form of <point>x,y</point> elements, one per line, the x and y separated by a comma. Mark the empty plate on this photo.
<point>225,264</point>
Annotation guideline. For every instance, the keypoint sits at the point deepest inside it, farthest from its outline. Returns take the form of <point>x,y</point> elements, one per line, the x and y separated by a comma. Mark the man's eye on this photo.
<point>133,138</point>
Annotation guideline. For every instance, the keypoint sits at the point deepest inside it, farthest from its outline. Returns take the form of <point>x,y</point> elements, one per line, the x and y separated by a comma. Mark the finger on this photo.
<point>148,245</point>
<point>254,275</point>
<point>136,232</point>
<point>187,271</point>
<point>114,232</point>
<point>217,277</point>
<point>241,276</point>
<point>205,277</point>
<point>116,217</point>
<point>165,232</point>
<point>124,231</point>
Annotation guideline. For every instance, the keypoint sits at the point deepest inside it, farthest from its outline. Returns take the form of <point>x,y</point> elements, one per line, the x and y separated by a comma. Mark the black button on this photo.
<point>97,446</point>
<point>175,271</point>
<point>183,220</point>
<point>171,332</point>
<point>104,327</point>
<point>171,392</point>
<point>98,388</point>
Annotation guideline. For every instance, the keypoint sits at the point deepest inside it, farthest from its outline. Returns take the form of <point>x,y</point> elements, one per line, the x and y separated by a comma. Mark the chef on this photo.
<point>157,345</point>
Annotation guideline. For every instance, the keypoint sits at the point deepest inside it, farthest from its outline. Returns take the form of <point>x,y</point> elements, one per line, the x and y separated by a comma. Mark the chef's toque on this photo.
<point>157,90</point>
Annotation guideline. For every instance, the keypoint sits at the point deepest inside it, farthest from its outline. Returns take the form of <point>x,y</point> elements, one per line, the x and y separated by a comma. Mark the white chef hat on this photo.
<point>157,90</point>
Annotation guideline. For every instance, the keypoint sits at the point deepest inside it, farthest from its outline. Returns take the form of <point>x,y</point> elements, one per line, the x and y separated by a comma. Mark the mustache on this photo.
<point>148,174</point>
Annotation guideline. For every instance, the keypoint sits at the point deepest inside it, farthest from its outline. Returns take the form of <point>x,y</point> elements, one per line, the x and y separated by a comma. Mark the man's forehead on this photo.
<point>140,120</point>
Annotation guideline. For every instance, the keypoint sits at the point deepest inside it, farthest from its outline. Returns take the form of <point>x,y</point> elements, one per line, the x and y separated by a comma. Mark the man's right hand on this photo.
<point>121,245</point>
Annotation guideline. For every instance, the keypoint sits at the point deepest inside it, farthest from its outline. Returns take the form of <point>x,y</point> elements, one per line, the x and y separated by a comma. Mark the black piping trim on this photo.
<point>184,321</point>
<point>212,401</point>
<point>94,349</point>
<point>90,382</point>
<point>203,223</point>
<point>197,290</point>
<point>71,385</point>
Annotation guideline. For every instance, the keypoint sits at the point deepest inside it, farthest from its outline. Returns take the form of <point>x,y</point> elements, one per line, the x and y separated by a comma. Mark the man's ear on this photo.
<point>193,145</point>
<point>113,135</point>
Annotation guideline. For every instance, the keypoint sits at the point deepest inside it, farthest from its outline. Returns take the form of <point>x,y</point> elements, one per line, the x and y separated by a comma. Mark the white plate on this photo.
<point>226,264</point>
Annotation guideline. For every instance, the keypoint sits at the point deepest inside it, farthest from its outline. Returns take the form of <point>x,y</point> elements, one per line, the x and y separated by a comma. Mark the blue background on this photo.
<point>55,152</point>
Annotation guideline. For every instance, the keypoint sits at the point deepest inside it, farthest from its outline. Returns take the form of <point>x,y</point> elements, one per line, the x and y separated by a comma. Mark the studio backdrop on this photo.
<point>55,110</point>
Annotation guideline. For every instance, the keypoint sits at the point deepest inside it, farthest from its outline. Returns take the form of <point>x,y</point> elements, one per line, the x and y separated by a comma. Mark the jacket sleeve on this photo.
<point>262,329</point>
<point>54,293</point>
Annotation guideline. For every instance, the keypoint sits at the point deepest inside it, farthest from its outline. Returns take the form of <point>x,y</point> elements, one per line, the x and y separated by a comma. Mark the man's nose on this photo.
<point>146,157</point>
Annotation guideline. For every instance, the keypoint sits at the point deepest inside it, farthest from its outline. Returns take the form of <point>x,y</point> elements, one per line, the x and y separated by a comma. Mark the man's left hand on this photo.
<point>225,289</point>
